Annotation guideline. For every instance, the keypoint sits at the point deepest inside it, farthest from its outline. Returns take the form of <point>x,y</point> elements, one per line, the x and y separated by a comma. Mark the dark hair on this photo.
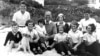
<point>13,23</point>
<point>93,27</point>
<point>29,21</point>
<point>41,21</point>
<point>23,2</point>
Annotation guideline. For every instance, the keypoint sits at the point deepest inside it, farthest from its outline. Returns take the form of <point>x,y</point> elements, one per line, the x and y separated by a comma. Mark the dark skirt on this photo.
<point>61,47</point>
<point>93,49</point>
<point>33,45</point>
<point>80,49</point>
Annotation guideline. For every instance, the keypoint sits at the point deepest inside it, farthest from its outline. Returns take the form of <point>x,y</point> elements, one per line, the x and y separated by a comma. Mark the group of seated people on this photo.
<point>74,38</point>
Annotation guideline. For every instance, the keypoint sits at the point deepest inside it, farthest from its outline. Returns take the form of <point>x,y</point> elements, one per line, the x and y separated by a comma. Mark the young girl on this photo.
<point>14,37</point>
<point>75,38</point>
<point>61,39</point>
<point>40,28</point>
<point>91,41</point>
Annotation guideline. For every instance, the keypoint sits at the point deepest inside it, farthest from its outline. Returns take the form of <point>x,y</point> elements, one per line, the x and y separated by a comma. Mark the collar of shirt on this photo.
<point>49,21</point>
<point>21,12</point>
<point>62,33</point>
<point>75,31</point>
<point>58,23</point>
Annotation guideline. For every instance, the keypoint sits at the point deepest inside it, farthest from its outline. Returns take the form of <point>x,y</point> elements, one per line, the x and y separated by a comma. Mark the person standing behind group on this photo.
<point>86,21</point>
<point>50,28</point>
<point>21,16</point>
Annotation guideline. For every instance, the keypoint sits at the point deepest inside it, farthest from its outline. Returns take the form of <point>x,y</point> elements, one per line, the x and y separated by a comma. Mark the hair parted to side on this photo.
<point>13,23</point>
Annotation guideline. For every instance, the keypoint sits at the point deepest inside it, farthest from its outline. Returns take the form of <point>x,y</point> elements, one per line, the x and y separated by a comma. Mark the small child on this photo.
<point>14,37</point>
<point>40,28</point>
<point>61,42</point>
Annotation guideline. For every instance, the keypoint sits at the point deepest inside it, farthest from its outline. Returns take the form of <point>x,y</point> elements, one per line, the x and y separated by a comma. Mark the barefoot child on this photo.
<point>14,37</point>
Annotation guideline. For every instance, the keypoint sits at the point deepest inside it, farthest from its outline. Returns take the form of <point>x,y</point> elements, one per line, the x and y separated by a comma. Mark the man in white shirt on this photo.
<point>21,16</point>
<point>86,21</point>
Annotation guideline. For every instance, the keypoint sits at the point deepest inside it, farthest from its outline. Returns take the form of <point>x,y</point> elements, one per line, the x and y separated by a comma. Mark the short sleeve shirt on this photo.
<point>75,35</point>
<point>32,33</point>
<point>60,37</point>
<point>20,18</point>
<point>41,30</point>
<point>90,38</point>
<point>83,23</point>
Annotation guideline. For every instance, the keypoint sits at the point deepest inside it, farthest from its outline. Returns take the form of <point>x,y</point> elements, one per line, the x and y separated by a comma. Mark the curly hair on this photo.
<point>41,21</point>
<point>93,27</point>
<point>29,21</point>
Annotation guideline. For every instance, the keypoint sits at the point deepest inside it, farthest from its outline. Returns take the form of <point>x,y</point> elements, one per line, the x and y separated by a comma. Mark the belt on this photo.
<point>21,26</point>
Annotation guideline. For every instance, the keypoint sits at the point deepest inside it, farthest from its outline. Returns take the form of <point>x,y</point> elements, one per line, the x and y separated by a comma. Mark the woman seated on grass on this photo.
<point>30,38</point>
<point>61,42</point>
<point>90,39</point>
<point>14,37</point>
<point>75,38</point>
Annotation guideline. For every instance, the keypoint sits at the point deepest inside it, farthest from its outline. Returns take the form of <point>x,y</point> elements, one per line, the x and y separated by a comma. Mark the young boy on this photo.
<point>14,37</point>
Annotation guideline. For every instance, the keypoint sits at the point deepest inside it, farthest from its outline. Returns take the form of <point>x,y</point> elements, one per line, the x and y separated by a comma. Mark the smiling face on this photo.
<point>15,28</point>
<point>60,18</point>
<point>61,30</point>
<point>23,7</point>
<point>40,24</point>
<point>30,25</point>
<point>48,17</point>
<point>74,27</point>
<point>86,16</point>
<point>89,29</point>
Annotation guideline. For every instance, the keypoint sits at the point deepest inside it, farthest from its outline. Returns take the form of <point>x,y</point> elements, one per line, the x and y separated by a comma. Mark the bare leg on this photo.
<point>10,46</point>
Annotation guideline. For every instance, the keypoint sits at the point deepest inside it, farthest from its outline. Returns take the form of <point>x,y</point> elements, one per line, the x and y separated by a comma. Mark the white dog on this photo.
<point>25,43</point>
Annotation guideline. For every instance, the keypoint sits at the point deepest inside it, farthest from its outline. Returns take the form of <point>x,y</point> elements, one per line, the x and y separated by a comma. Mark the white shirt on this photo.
<point>60,37</point>
<point>20,18</point>
<point>26,31</point>
<point>41,30</point>
<point>90,38</point>
<point>83,23</point>
<point>75,36</point>
<point>63,23</point>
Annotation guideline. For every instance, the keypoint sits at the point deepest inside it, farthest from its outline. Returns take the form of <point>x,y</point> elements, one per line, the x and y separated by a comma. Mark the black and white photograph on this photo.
<point>49,27</point>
